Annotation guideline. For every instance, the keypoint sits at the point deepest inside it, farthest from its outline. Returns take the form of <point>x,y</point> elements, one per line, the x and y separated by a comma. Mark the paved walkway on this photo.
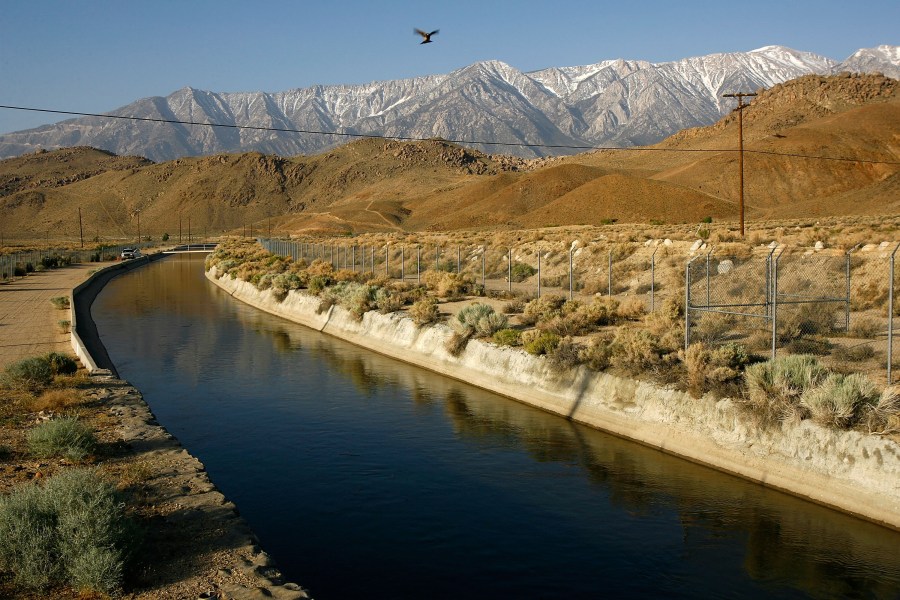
<point>29,323</point>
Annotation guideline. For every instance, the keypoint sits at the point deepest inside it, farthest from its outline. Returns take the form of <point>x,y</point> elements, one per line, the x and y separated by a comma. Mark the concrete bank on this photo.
<point>201,506</point>
<point>846,470</point>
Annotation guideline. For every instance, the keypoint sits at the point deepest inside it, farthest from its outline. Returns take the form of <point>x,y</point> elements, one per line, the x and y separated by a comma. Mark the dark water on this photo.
<point>368,478</point>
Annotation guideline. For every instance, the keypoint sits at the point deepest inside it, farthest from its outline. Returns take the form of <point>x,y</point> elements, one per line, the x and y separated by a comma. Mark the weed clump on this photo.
<point>64,437</point>
<point>424,311</point>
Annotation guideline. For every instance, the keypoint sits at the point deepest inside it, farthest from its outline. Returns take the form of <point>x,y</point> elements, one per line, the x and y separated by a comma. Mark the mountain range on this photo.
<point>561,110</point>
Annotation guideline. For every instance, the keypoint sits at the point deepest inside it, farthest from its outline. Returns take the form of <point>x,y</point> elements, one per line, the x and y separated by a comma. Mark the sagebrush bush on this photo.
<point>73,530</point>
<point>507,337</point>
<point>388,301</point>
<point>774,387</point>
<point>61,364</point>
<point>56,400</point>
<point>32,374</point>
<point>480,320</point>
<point>714,368</point>
<point>840,400</point>
<point>636,351</point>
<point>883,417</point>
<point>447,285</point>
<point>597,354</point>
<point>64,437</point>
<point>424,311</point>
<point>566,355</point>
<point>544,342</point>
<point>542,309</point>
<point>60,302</point>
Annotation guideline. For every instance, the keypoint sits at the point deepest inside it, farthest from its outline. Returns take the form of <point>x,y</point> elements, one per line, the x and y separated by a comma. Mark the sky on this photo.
<point>96,55</point>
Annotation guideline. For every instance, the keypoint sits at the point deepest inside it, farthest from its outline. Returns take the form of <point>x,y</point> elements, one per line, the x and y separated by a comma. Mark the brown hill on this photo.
<point>816,146</point>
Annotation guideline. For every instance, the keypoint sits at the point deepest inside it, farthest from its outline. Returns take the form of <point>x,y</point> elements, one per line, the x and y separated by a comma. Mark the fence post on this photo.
<point>457,259</point>
<point>707,277</point>
<point>775,304</point>
<point>402,264</point>
<point>509,270</point>
<point>571,284</point>
<point>609,274</point>
<point>687,304</point>
<point>539,273</point>
<point>387,260</point>
<point>437,257</point>
<point>653,278</point>
<point>418,263</point>
<point>847,303</point>
<point>483,281</point>
<point>769,281</point>
<point>890,331</point>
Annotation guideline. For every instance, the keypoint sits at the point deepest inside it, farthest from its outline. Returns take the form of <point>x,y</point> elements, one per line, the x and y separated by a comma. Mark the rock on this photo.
<point>725,267</point>
<point>819,245</point>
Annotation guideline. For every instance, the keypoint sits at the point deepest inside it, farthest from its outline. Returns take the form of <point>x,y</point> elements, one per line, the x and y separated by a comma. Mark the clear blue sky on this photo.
<point>95,56</point>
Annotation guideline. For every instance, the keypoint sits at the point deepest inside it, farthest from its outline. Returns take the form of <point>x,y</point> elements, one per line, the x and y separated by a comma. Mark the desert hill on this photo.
<point>814,146</point>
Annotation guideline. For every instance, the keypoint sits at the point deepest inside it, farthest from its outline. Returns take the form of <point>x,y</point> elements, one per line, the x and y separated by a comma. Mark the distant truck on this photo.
<point>129,253</point>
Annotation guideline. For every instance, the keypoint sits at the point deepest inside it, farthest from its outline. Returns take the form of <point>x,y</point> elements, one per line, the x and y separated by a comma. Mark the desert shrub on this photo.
<point>630,309</point>
<point>318,283</point>
<point>566,355</point>
<point>357,298</point>
<point>711,329</point>
<point>866,328</point>
<point>61,364</point>
<point>883,417</point>
<point>856,353</point>
<point>64,437</point>
<point>72,530</point>
<point>387,301</point>
<point>717,368</point>
<point>542,309</point>
<point>480,320</point>
<point>809,319</point>
<point>514,306</point>
<point>774,388</point>
<point>424,311</point>
<point>457,342</point>
<point>840,400</point>
<point>597,354</point>
<point>31,374</point>
<point>507,337</point>
<point>447,285</point>
<point>809,345</point>
<point>56,400</point>
<point>540,342</point>
<point>636,350</point>
<point>65,326</point>
<point>60,302</point>
<point>521,271</point>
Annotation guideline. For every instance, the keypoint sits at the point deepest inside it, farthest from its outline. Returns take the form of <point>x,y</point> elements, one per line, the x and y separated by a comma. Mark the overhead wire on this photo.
<point>452,141</point>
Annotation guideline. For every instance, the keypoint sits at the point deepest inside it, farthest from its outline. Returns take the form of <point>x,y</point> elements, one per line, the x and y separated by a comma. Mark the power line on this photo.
<point>452,141</point>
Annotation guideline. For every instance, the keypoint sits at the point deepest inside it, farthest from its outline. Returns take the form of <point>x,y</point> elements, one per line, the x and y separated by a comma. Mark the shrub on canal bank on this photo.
<point>64,437</point>
<point>73,529</point>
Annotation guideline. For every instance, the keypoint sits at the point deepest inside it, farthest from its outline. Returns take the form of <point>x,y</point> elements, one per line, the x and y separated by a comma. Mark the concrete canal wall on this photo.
<point>846,470</point>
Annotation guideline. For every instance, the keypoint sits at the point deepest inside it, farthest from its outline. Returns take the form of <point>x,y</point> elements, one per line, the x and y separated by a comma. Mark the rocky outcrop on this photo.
<point>846,470</point>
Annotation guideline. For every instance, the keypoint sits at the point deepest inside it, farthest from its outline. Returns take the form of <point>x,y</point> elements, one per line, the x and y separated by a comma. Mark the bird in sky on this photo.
<point>427,36</point>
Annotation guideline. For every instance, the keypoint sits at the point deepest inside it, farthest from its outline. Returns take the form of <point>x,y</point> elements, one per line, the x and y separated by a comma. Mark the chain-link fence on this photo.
<point>839,306</point>
<point>14,265</point>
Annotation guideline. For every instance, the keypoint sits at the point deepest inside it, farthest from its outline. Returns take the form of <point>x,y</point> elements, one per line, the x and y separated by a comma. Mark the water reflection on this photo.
<point>405,480</point>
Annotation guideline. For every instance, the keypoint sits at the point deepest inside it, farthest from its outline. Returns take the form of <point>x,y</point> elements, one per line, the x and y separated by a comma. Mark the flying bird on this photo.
<point>427,36</point>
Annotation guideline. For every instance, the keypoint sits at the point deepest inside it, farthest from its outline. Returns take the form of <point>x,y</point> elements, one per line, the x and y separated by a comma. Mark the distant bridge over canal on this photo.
<point>206,247</point>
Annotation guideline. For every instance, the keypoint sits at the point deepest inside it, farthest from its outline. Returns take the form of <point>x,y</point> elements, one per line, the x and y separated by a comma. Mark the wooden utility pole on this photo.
<point>740,111</point>
<point>80,227</point>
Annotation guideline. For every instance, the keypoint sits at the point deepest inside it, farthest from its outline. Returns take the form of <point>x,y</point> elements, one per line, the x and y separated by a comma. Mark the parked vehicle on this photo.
<point>129,253</point>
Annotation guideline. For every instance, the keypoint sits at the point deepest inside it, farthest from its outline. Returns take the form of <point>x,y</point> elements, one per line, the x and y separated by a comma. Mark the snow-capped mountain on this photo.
<point>614,102</point>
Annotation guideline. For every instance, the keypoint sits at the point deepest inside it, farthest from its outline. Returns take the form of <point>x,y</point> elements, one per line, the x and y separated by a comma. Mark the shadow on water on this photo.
<point>420,482</point>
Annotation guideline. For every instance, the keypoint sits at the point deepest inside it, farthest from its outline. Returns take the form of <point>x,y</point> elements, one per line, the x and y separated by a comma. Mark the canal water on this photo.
<point>367,478</point>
